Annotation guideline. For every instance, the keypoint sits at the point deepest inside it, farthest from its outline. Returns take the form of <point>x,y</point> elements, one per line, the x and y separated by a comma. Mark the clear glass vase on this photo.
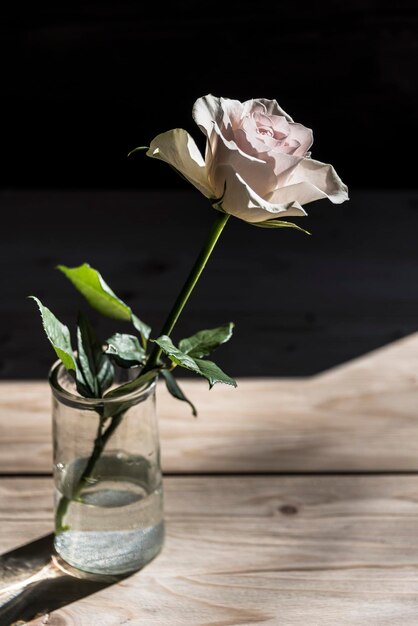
<point>107,475</point>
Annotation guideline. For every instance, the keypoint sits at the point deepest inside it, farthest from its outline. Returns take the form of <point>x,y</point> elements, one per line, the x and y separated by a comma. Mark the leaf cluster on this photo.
<point>92,364</point>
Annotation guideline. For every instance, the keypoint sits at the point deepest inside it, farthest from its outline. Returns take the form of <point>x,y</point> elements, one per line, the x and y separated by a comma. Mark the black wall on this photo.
<point>83,83</point>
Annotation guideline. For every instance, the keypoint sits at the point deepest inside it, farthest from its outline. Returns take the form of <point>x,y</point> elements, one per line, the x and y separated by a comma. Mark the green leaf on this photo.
<point>208,369</point>
<point>118,407</point>
<point>100,296</point>
<point>58,335</point>
<point>176,356</point>
<point>87,383</point>
<point>138,149</point>
<point>205,341</point>
<point>143,329</point>
<point>213,373</point>
<point>175,390</point>
<point>279,224</point>
<point>95,370</point>
<point>133,385</point>
<point>125,349</point>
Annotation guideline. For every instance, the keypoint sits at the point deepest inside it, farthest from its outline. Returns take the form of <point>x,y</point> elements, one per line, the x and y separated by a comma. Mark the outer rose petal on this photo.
<point>209,109</point>
<point>257,173</point>
<point>231,112</point>
<point>311,180</point>
<point>179,149</point>
<point>271,107</point>
<point>242,202</point>
<point>206,111</point>
<point>283,163</point>
<point>304,136</point>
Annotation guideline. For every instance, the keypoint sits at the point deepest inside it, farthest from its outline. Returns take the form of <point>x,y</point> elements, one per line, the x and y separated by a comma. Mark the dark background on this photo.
<point>83,84</point>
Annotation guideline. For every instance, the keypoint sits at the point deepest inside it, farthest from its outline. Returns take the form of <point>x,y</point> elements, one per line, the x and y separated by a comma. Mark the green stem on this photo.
<point>99,444</point>
<point>189,285</point>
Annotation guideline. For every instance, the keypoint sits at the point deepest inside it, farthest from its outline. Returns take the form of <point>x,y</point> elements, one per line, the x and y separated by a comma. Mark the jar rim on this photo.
<point>66,396</point>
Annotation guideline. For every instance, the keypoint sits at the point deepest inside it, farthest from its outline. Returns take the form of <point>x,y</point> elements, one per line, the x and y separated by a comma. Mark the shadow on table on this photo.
<point>34,581</point>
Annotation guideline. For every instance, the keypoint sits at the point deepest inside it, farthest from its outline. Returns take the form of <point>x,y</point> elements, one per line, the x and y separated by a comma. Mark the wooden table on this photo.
<point>288,502</point>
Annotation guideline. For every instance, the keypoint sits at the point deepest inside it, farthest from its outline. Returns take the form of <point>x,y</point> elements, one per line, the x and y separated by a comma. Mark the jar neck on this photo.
<point>64,390</point>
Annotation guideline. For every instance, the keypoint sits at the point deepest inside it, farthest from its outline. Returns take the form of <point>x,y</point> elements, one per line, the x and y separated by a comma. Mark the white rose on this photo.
<point>257,166</point>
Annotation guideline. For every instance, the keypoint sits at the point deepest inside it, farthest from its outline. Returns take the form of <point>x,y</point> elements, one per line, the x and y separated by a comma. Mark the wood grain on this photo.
<point>361,416</point>
<point>288,551</point>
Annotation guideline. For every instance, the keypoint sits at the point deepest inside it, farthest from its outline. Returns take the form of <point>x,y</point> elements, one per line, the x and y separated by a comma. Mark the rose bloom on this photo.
<point>257,163</point>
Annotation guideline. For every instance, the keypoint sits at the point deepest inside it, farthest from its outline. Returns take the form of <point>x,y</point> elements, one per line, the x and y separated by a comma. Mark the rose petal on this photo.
<point>222,112</point>
<point>232,112</point>
<point>290,146</point>
<point>253,106</point>
<point>179,149</point>
<point>281,126</point>
<point>206,111</point>
<point>250,143</point>
<point>271,107</point>
<point>304,136</point>
<point>231,145</point>
<point>260,119</point>
<point>257,173</point>
<point>311,180</point>
<point>323,176</point>
<point>283,163</point>
<point>267,147</point>
<point>242,202</point>
<point>300,192</point>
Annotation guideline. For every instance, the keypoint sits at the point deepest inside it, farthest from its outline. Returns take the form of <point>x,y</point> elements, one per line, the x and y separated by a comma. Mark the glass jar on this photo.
<point>107,476</point>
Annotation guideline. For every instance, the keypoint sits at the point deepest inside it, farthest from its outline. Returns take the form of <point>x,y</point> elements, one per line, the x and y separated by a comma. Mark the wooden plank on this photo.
<point>255,550</point>
<point>361,416</point>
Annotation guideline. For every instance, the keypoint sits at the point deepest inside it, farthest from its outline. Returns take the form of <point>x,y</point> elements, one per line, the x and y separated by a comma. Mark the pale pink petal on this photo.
<point>281,126</point>
<point>256,144</point>
<point>299,192</point>
<point>251,143</point>
<point>253,106</point>
<point>321,177</point>
<point>232,112</point>
<point>261,119</point>
<point>283,164</point>
<point>206,111</point>
<point>304,136</point>
<point>257,173</point>
<point>240,200</point>
<point>177,148</point>
<point>271,107</point>
<point>216,133</point>
<point>290,146</point>
<point>269,152</point>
